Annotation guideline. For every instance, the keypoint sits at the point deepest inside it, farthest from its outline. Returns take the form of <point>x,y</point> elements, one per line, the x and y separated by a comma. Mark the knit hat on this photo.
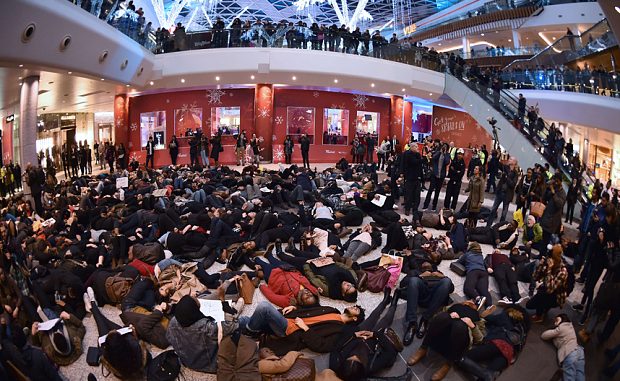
<point>474,247</point>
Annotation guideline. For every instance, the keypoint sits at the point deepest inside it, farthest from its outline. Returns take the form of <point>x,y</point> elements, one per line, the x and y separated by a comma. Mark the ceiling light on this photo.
<point>69,72</point>
<point>294,78</point>
<point>20,83</point>
<point>127,85</point>
<point>439,44</point>
<point>19,77</point>
<point>103,79</point>
<point>182,80</point>
<point>21,65</point>
<point>336,80</point>
<point>151,83</point>
<point>482,34</point>
<point>403,90</point>
<point>430,94</point>
<point>252,77</point>
<point>553,38</point>
<point>372,85</point>
<point>217,78</point>
<point>509,40</point>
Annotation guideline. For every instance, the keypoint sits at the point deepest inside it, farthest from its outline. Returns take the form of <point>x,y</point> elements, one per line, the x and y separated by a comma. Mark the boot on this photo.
<point>417,356</point>
<point>278,246</point>
<point>473,368</point>
<point>441,373</point>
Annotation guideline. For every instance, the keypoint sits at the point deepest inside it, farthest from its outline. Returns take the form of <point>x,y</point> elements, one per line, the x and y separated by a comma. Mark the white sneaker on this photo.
<point>523,300</point>
<point>504,301</point>
<point>480,302</point>
<point>87,304</point>
<point>91,295</point>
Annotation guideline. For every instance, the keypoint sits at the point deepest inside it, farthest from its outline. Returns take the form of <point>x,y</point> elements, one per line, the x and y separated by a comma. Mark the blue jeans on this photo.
<point>266,319</point>
<point>500,199</point>
<point>420,294</point>
<point>574,366</point>
<point>204,158</point>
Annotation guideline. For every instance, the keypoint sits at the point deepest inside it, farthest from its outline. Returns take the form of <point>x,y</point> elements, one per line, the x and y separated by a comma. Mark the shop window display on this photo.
<point>299,121</point>
<point>367,123</point>
<point>225,120</point>
<point>335,126</point>
<point>187,120</point>
<point>153,124</point>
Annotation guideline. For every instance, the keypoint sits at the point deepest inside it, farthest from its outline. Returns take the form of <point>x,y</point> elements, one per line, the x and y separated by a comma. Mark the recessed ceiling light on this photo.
<point>182,80</point>
<point>403,90</point>
<point>127,85</point>
<point>482,34</point>
<point>430,94</point>
<point>20,83</point>
<point>294,78</point>
<point>217,78</point>
<point>372,85</point>
<point>252,77</point>
<point>151,83</point>
<point>19,77</point>
<point>21,65</point>
<point>439,44</point>
<point>336,80</point>
<point>509,40</point>
<point>553,38</point>
<point>103,79</point>
<point>69,72</point>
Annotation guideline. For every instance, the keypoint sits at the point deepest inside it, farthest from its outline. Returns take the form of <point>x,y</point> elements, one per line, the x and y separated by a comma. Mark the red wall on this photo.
<point>7,142</point>
<point>320,100</point>
<point>170,102</point>
<point>459,127</point>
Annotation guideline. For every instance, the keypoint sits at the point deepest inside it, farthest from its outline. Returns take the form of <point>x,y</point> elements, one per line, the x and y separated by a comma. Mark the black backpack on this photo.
<point>166,366</point>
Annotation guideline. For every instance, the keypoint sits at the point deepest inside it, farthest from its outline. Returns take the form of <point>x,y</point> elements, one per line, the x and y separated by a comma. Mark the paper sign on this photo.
<point>121,331</point>
<point>379,200</point>
<point>212,308</point>
<point>160,192</point>
<point>48,324</point>
<point>122,182</point>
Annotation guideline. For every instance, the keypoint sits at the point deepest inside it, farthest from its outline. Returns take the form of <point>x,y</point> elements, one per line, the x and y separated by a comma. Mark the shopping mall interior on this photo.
<point>91,91</point>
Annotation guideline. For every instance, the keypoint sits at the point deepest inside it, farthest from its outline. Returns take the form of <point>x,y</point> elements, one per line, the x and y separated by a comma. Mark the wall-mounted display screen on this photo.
<point>153,124</point>
<point>225,120</point>
<point>335,126</point>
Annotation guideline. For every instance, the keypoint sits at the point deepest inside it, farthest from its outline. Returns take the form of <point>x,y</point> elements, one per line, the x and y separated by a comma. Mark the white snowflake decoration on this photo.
<point>133,157</point>
<point>119,122</point>
<point>215,96</point>
<point>279,119</point>
<point>279,154</point>
<point>231,94</point>
<point>398,121</point>
<point>360,100</point>
<point>316,94</point>
<point>133,127</point>
<point>189,108</point>
<point>263,112</point>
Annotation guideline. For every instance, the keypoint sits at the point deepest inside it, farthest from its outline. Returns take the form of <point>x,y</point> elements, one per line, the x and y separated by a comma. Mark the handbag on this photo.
<point>92,356</point>
<point>302,370</point>
<point>166,366</point>
<point>246,289</point>
<point>378,277</point>
<point>458,268</point>
<point>537,209</point>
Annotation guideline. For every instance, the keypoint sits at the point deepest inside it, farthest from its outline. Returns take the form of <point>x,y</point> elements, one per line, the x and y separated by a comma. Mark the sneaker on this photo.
<point>480,300</point>
<point>91,295</point>
<point>523,300</point>
<point>87,304</point>
<point>504,301</point>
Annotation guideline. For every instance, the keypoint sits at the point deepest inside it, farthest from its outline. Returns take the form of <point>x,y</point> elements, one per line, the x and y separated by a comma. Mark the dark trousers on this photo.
<point>542,302</point>
<point>436,184</point>
<point>412,195</point>
<point>287,158</point>
<point>305,157</point>
<point>570,211</point>
<point>149,158</point>
<point>452,195</point>
<point>477,284</point>
<point>432,295</point>
<point>488,354</point>
<point>506,279</point>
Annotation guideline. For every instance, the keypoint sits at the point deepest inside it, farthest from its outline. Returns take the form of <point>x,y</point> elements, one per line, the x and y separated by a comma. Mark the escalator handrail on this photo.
<point>554,45</point>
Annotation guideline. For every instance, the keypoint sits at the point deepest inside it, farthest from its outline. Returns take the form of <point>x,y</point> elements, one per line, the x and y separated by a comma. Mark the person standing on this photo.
<point>173,148</point>
<point>150,152</point>
<point>35,180</point>
<point>521,107</point>
<point>121,155</point>
<point>411,168</point>
<point>74,161</point>
<point>304,143</point>
<point>505,191</point>
<point>288,149</point>
<point>216,148</point>
<point>456,171</point>
<point>574,193</point>
<point>193,150</point>
<point>492,169</point>
<point>551,219</point>
<point>370,148</point>
<point>110,156</point>
<point>96,151</point>
<point>394,145</point>
<point>439,162</point>
<point>204,150</point>
<point>242,142</point>
<point>476,197</point>
<point>65,157</point>
<point>89,159</point>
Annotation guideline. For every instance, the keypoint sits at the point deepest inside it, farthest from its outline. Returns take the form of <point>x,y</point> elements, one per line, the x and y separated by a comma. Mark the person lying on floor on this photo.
<point>503,235</point>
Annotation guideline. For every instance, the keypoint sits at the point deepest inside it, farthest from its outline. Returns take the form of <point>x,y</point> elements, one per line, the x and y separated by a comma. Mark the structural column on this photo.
<point>28,104</point>
<point>466,46</point>
<point>263,117</point>
<point>400,119</point>
<point>121,121</point>
<point>516,39</point>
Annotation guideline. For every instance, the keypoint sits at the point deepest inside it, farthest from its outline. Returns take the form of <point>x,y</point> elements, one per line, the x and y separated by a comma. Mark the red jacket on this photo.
<point>284,285</point>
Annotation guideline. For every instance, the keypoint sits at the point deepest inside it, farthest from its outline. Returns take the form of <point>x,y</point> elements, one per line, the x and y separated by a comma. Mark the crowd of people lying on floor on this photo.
<point>149,246</point>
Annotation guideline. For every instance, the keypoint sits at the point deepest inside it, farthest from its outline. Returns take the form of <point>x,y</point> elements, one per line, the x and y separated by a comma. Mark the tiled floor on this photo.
<point>536,363</point>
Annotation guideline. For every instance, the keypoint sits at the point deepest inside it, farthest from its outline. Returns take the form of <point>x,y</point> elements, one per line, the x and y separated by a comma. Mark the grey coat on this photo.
<point>196,345</point>
<point>551,219</point>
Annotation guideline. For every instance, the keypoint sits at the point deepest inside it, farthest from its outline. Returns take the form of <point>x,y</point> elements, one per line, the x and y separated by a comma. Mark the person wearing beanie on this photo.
<point>476,286</point>
<point>553,275</point>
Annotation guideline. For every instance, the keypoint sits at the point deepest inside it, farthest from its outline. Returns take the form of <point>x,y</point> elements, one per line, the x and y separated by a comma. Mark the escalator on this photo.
<point>523,139</point>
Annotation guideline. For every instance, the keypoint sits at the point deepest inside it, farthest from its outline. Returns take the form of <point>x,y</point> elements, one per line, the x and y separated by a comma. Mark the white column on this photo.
<point>516,39</point>
<point>28,104</point>
<point>466,47</point>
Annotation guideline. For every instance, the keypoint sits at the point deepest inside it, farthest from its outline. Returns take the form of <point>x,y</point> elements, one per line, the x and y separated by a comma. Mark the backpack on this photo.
<point>166,366</point>
<point>517,335</point>
<point>117,287</point>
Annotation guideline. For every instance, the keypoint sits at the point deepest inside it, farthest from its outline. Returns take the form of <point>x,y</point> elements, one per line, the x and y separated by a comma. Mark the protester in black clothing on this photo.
<point>456,171</point>
<point>173,148</point>
<point>411,168</point>
<point>304,143</point>
<point>150,152</point>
